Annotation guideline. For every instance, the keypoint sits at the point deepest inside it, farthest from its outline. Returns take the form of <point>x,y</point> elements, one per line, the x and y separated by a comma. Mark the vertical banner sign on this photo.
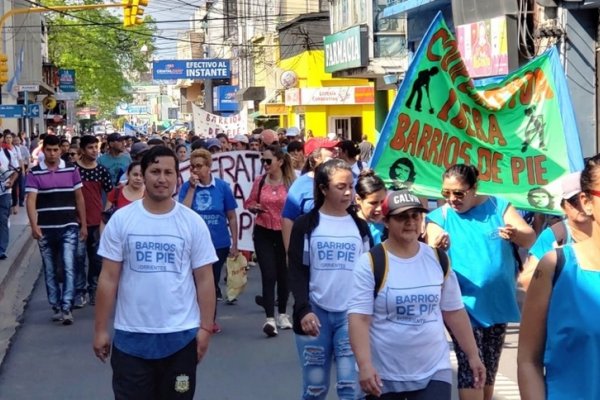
<point>519,132</point>
<point>66,80</point>
<point>240,169</point>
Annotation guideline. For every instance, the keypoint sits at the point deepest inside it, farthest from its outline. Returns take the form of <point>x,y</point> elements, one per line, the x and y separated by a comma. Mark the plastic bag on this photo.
<point>237,276</point>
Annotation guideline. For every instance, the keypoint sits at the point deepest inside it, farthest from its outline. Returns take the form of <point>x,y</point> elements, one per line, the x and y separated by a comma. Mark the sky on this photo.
<point>170,10</point>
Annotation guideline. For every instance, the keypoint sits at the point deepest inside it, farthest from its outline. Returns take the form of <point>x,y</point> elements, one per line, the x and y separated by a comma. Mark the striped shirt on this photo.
<point>55,203</point>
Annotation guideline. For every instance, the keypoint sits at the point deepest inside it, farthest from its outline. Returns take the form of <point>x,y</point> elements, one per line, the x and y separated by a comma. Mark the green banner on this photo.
<point>519,132</point>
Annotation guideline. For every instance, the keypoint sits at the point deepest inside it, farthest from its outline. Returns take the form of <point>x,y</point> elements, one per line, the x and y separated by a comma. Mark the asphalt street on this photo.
<point>51,361</point>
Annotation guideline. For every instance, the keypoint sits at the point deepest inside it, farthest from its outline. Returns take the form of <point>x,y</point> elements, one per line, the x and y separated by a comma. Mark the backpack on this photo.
<point>379,265</point>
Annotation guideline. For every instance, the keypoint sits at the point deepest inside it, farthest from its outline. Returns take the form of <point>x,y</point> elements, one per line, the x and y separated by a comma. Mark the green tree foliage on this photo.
<point>105,56</point>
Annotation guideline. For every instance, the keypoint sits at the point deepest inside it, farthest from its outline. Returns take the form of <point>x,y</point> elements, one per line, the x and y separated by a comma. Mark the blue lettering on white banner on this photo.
<point>155,253</point>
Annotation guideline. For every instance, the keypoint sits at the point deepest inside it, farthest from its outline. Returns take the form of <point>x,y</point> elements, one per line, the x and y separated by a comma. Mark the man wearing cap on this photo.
<point>292,134</point>
<point>575,227</point>
<point>240,142</point>
<point>95,179</point>
<point>115,160</point>
<point>213,145</point>
<point>300,198</point>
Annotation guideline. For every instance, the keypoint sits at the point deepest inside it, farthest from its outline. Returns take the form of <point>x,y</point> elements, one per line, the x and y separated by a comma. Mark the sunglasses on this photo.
<point>267,161</point>
<point>459,194</point>
<point>72,154</point>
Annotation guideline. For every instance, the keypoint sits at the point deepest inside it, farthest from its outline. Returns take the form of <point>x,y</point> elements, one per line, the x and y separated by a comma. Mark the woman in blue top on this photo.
<point>213,200</point>
<point>370,194</point>
<point>483,230</point>
<point>576,226</point>
<point>559,342</point>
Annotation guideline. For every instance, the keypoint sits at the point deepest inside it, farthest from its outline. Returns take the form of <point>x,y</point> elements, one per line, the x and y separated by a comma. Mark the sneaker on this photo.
<point>92,299</point>
<point>283,321</point>
<point>269,327</point>
<point>231,302</point>
<point>57,316</point>
<point>80,301</point>
<point>216,328</point>
<point>67,318</point>
<point>3,256</point>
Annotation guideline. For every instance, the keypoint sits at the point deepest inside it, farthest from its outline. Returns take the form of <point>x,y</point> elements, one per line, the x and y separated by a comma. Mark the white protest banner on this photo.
<point>209,125</point>
<point>240,169</point>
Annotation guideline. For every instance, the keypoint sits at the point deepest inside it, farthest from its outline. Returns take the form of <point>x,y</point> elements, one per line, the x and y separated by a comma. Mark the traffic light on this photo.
<point>127,12</point>
<point>137,10</point>
<point>3,69</point>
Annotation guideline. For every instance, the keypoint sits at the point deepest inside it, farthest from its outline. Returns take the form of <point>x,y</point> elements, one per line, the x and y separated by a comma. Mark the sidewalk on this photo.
<point>17,278</point>
<point>20,241</point>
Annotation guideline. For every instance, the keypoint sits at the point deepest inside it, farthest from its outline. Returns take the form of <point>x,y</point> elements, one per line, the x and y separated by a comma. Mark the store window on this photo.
<point>346,128</point>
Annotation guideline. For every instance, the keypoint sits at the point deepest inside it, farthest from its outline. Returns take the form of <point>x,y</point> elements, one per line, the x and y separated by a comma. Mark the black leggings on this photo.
<point>270,254</point>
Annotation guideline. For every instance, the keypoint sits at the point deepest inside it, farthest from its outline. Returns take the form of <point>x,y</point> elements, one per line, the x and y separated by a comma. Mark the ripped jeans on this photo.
<point>317,353</point>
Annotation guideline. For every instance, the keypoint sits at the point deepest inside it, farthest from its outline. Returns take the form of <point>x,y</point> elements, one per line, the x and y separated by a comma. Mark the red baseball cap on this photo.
<point>318,143</point>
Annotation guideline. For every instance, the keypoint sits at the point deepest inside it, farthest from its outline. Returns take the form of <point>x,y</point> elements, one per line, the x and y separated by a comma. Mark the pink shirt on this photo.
<point>272,199</point>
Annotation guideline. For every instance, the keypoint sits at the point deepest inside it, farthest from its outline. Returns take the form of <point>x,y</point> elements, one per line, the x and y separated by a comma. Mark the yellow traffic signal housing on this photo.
<point>127,12</point>
<point>137,10</point>
<point>3,69</point>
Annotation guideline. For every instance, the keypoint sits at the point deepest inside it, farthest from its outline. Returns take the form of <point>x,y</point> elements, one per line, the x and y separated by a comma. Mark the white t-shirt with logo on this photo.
<point>335,246</point>
<point>408,341</point>
<point>159,252</point>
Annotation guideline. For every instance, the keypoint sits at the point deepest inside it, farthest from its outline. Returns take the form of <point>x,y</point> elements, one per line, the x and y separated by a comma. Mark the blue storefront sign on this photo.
<point>224,98</point>
<point>66,80</point>
<point>132,109</point>
<point>191,69</point>
<point>34,110</point>
<point>13,111</point>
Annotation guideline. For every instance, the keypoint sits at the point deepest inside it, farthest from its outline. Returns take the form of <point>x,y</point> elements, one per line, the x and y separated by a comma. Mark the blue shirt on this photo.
<point>212,203</point>
<point>572,353</point>
<point>152,346</point>
<point>116,166</point>
<point>300,198</point>
<point>376,231</point>
<point>547,240</point>
<point>484,263</point>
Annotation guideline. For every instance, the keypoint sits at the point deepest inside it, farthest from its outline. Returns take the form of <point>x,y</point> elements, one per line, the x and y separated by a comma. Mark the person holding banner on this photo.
<point>266,201</point>
<point>560,336</point>
<point>212,198</point>
<point>324,246</point>
<point>483,231</point>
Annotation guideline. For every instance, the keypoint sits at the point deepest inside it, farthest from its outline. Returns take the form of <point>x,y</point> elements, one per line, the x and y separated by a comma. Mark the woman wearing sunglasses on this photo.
<point>560,335</point>
<point>483,230</point>
<point>266,201</point>
<point>397,320</point>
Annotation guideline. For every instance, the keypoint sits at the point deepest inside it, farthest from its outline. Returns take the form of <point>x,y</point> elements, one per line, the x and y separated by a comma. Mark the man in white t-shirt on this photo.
<point>158,256</point>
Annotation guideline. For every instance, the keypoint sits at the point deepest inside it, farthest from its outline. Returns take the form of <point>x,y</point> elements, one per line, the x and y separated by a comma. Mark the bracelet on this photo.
<point>206,329</point>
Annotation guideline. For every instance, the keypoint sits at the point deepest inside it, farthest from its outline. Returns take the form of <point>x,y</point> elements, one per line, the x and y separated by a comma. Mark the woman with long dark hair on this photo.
<point>266,201</point>
<point>324,245</point>
<point>484,231</point>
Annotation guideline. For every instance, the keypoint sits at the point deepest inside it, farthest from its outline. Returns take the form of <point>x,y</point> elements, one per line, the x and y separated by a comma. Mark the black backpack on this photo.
<point>379,264</point>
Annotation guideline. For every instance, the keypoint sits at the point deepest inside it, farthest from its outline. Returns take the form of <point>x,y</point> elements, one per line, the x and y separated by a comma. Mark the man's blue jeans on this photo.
<point>88,247</point>
<point>317,353</point>
<point>5,204</point>
<point>57,242</point>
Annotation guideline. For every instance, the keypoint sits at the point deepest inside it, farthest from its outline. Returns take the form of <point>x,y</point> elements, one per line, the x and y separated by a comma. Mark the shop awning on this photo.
<point>252,93</point>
